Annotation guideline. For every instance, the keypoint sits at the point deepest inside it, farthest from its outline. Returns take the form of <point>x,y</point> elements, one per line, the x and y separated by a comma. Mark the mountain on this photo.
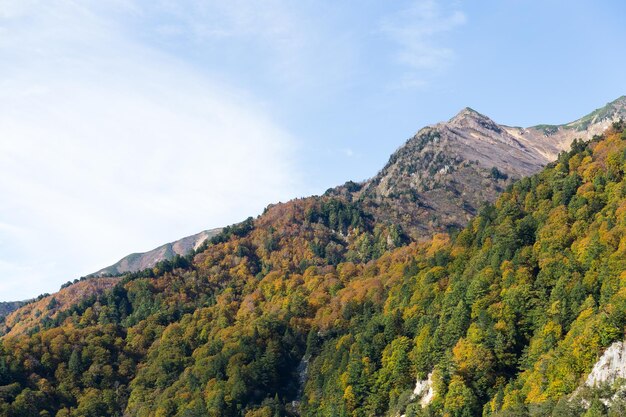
<point>439,178</point>
<point>322,306</point>
<point>139,261</point>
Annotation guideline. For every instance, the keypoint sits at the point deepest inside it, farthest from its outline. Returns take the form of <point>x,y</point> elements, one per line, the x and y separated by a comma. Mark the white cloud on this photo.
<point>109,147</point>
<point>417,31</point>
<point>291,43</point>
<point>270,21</point>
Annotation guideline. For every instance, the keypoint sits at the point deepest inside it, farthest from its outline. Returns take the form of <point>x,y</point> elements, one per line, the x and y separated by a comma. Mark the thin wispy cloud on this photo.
<point>288,41</point>
<point>271,21</point>
<point>417,32</point>
<point>271,24</point>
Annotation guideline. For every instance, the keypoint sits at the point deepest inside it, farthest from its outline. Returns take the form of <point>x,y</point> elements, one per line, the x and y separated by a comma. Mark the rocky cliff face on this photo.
<point>606,381</point>
<point>610,367</point>
<point>441,176</point>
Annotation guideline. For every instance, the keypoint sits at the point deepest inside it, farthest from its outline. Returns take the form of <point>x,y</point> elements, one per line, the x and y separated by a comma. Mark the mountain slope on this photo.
<point>507,317</point>
<point>139,261</point>
<point>441,176</point>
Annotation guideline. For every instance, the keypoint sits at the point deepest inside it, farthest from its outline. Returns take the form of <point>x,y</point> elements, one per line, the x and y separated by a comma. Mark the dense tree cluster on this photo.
<point>317,309</point>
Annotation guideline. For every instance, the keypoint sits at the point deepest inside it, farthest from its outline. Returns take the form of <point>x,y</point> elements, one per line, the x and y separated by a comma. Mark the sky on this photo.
<point>128,124</point>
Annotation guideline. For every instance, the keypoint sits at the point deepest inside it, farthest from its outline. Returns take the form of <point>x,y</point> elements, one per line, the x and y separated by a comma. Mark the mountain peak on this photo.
<point>469,118</point>
<point>468,113</point>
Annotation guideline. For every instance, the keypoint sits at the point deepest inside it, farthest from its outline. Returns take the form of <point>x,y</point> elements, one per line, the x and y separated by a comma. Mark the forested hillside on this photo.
<point>316,309</point>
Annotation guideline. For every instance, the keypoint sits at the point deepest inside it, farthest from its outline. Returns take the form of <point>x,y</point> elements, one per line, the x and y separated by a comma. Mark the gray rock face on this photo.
<point>610,367</point>
<point>423,393</point>
<point>608,372</point>
<point>138,261</point>
<point>424,390</point>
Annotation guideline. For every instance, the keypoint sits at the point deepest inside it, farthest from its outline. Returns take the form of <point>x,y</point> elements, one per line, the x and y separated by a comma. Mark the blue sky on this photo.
<point>127,124</point>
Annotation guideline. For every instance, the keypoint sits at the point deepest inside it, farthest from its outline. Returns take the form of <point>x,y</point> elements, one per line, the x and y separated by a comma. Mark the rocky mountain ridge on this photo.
<point>550,140</point>
<point>139,261</point>
<point>441,176</point>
